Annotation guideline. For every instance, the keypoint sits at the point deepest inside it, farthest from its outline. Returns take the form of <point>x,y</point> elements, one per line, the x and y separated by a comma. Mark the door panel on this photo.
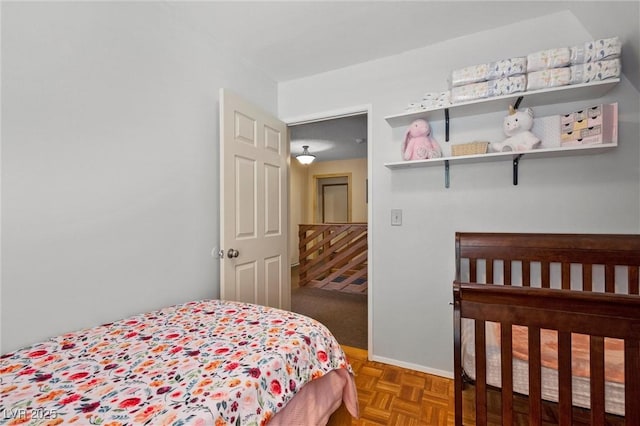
<point>246,282</point>
<point>246,192</point>
<point>272,139</point>
<point>245,129</point>
<point>273,268</point>
<point>273,212</point>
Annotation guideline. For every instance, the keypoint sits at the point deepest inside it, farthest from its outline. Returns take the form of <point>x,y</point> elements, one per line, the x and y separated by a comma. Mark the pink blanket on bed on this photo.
<point>207,362</point>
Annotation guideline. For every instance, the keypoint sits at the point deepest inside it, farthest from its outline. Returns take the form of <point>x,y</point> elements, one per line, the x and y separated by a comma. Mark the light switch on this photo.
<point>396,217</point>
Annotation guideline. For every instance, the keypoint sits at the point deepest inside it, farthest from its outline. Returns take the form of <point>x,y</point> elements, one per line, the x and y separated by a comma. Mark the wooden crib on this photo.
<point>571,283</point>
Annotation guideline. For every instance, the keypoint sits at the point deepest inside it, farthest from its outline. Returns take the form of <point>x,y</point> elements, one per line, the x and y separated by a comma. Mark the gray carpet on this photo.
<point>344,314</point>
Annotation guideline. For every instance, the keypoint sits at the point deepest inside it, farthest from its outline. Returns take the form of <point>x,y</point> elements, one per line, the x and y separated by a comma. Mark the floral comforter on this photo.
<point>207,362</point>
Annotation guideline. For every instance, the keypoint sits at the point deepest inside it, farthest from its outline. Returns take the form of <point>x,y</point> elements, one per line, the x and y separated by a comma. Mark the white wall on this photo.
<point>109,163</point>
<point>413,265</point>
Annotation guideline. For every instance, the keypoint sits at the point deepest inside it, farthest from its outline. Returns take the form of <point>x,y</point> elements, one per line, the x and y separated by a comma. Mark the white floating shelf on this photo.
<point>554,95</point>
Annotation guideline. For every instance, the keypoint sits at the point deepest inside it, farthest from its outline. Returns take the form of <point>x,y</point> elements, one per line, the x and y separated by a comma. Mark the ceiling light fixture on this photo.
<point>305,157</point>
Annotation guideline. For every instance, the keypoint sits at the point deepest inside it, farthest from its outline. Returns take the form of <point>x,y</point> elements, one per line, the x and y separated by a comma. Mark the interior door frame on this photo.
<point>341,113</point>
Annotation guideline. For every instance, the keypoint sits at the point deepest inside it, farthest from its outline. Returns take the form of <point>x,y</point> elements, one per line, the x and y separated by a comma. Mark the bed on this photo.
<point>206,362</point>
<point>547,329</point>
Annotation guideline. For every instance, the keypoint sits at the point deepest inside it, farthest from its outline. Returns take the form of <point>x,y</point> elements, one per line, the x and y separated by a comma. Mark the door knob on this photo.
<point>232,253</point>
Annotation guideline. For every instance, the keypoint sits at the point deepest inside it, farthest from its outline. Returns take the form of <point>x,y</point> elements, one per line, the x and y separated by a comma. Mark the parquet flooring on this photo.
<point>390,395</point>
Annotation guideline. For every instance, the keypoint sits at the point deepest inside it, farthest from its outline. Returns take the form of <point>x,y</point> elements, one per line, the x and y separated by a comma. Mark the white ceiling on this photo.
<point>293,39</point>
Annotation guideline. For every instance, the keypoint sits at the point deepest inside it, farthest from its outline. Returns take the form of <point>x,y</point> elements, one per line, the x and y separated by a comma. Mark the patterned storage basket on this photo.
<point>471,148</point>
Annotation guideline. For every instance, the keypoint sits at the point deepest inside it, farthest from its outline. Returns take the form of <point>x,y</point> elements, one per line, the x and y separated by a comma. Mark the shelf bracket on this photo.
<point>446,125</point>
<point>517,104</point>
<point>516,162</point>
<point>446,173</point>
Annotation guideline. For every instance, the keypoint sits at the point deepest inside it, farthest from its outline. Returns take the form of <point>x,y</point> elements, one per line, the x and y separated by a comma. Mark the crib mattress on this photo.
<point>614,392</point>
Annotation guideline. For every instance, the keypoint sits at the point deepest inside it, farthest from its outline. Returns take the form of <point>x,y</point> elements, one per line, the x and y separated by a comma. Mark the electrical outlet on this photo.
<point>396,217</point>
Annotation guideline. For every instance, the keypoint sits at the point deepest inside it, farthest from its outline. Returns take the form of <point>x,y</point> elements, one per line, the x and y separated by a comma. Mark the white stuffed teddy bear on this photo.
<point>418,142</point>
<point>517,125</point>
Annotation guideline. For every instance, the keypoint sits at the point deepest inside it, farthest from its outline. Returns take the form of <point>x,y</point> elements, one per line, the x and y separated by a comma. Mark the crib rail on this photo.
<point>587,250</point>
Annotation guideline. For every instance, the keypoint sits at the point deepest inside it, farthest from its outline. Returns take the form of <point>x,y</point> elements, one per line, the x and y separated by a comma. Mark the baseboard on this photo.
<point>411,366</point>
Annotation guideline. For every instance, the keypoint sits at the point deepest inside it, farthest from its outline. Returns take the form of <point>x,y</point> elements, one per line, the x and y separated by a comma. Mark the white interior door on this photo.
<point>254,155</point>
<point>335,203</point>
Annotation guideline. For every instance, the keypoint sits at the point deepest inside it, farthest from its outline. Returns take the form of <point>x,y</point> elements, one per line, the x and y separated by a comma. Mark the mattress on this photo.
<point>205,362</point>
<point>614,391</point>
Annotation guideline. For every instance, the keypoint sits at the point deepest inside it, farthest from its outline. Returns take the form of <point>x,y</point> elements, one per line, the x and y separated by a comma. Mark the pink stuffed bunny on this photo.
<point>418,143</point>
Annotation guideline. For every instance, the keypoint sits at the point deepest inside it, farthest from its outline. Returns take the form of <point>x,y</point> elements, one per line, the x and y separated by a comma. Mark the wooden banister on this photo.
<point>331,251</point>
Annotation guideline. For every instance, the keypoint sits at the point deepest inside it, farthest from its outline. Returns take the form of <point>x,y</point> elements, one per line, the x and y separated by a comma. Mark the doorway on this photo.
<point>333,189</point>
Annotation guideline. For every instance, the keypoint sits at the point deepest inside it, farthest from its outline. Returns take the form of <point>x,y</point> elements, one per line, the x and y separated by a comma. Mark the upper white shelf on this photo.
<point>554,95</point>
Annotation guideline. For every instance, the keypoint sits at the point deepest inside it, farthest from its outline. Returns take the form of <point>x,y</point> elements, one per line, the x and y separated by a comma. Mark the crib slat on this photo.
<point>566,276</point>
<point>472,270</point>
<point>526,273</point>
<point>596,361</point>
<point>564,378</point>
<point>489,268</point>
<point>632,385</point>
<point>507,373</point>
<point>481,374</point>
<point>587,277</point>
<point>545,274</point>
<point>506,271</point>
<point>633,280</point>
<point>535,377</point>
<point>609,279</point>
